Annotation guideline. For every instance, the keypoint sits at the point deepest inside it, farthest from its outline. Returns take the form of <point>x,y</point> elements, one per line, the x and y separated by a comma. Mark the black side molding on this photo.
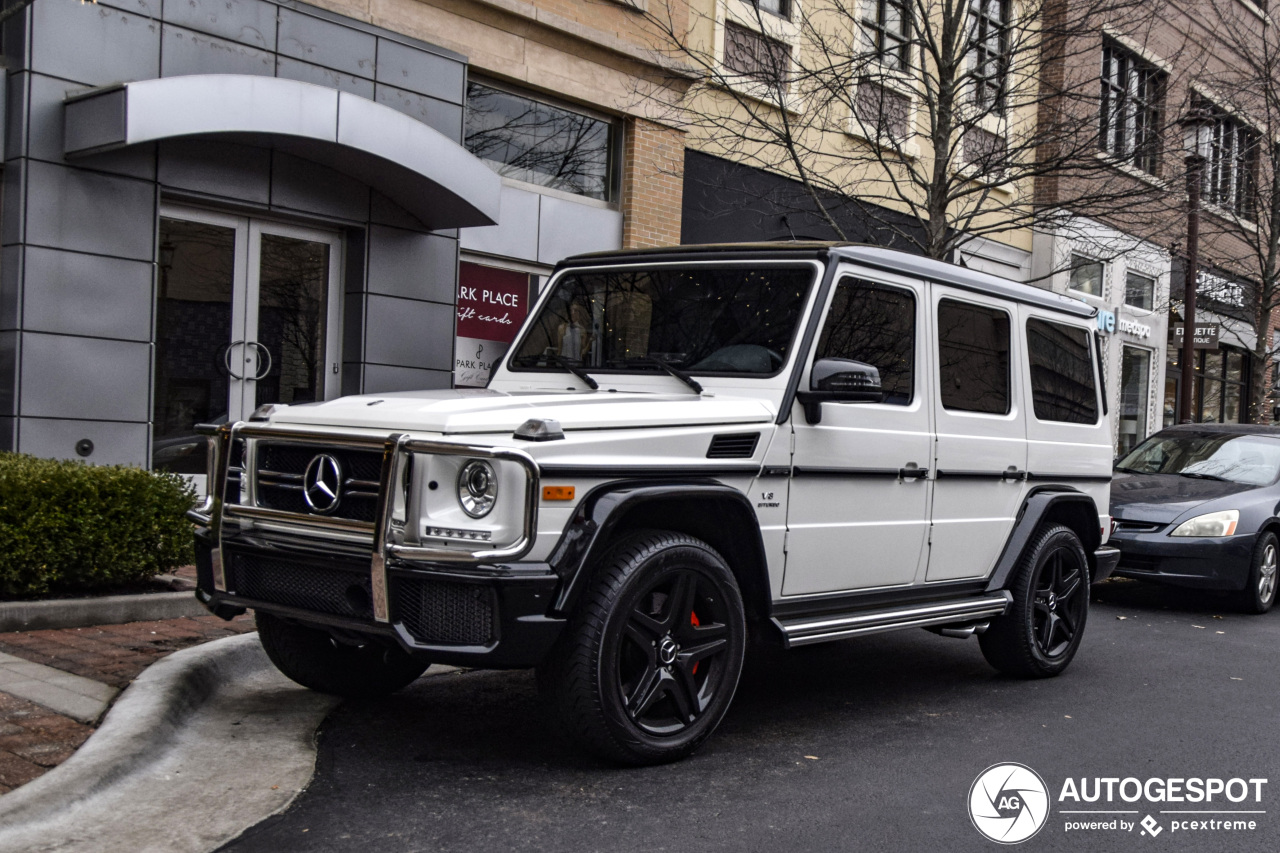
<point>597,517</point>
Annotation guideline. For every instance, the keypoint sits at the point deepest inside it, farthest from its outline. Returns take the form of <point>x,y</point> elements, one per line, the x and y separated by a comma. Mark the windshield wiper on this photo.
<point>564,364</point>
<point>676,372</point>
<point>1196,475</point>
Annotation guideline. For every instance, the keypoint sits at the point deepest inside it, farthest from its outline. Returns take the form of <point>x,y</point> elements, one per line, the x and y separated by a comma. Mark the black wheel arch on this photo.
<point>717,514</point>
<point>1053,505</point>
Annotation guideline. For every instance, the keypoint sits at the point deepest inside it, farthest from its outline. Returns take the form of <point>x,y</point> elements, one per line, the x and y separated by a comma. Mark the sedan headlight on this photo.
<point>1212,524</point>
<point>477,488</point>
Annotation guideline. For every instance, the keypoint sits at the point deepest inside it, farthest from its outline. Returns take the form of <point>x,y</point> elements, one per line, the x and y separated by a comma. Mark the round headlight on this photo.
<point>477,488</point>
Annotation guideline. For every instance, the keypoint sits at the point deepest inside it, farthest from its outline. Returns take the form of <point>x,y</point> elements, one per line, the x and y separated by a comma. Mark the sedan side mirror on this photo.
<point>839,380</point>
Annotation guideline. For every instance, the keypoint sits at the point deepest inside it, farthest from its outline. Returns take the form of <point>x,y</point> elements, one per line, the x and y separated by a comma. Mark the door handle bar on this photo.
<point>226,358</point>
<point>913,473</point>
<point>262,372</point>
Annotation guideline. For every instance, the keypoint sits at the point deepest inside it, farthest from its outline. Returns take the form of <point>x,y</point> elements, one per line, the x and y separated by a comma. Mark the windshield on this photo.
<point>1252,460</point>
<point>702,319</point>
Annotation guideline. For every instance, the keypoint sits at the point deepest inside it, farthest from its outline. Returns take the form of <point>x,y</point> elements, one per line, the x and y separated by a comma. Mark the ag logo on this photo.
<point>1008,803</point>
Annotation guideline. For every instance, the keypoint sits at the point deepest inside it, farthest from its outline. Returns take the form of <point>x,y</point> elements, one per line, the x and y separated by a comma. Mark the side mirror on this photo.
<point>839,380</point>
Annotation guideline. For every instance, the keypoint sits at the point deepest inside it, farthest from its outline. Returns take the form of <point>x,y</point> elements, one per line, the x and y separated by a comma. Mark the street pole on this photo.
<point>1195,178</point>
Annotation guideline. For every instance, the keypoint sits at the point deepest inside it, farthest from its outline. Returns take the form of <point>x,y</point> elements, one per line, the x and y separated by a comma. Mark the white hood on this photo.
<point>483,411</point>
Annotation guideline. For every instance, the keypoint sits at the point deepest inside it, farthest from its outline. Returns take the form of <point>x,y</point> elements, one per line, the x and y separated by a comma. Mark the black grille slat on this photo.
<point>740,445</point>
<point>282,466</point>
<point>303,586</point>
<point>435,612</point>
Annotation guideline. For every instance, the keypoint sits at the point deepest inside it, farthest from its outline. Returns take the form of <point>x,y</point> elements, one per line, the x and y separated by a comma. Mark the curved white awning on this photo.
<point>421,169</point>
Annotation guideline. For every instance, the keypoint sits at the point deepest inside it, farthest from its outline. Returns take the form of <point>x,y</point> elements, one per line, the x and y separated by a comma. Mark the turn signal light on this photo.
<point>557,493</point>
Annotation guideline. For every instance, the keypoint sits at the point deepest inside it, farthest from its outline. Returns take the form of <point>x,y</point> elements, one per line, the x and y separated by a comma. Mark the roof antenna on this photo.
<point>787,224</point>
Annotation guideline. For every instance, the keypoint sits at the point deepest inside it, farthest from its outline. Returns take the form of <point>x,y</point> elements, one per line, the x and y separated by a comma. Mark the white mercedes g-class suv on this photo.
<point>683,450</point>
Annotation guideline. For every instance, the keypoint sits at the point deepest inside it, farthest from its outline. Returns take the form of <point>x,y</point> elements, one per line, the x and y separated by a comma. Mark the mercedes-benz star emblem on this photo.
<point>322,484</point>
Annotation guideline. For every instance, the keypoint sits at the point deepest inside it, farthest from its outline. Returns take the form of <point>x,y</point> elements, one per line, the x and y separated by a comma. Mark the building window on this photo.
<point>528,140</point>
<point>755,55</point>
<point>1132,104</point>
<point>973,358</point>
<point>876,325</point>
<point>881,111</point>
<point>1086,275</point>
<point>1135,380</point>
<point>886,31</point>
<point>1220,393</point>
<point>781,8</point>
<point>985,151</point>
<point>990,46</point>
<point>1231,171</point>
<point>1139,290</point>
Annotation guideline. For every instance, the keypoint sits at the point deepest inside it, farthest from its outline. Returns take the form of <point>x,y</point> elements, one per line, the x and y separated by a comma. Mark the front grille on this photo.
<point>307,587</point>
<point>1137,526</point>
<point>436,612</point>
<point>740,445</point>
<point>280,471</point>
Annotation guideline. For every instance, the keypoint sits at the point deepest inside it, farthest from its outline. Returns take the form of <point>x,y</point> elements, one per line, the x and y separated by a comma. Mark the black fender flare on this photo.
<point>1037,505</point>
<point>599,514</point>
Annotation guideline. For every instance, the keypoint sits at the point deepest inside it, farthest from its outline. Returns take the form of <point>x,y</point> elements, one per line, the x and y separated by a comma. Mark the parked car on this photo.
<point>1196,506</point>
<point>683,448</point>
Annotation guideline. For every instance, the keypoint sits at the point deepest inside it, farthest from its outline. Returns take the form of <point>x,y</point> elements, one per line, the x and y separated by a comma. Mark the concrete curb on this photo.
<point>107,610</point>
<point>140,727</point>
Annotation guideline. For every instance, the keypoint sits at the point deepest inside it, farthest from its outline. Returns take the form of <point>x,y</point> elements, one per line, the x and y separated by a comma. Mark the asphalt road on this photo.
<point>870,744</point>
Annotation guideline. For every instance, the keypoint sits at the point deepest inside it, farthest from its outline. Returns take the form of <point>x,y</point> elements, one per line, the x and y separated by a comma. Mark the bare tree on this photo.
<point>968,118</point>
<point>1241,189</point>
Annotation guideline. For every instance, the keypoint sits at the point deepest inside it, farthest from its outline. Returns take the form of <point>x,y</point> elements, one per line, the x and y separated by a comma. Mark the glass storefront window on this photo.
<point>1135,379</point>
<point>542,144</point>
<point>1220,392</point>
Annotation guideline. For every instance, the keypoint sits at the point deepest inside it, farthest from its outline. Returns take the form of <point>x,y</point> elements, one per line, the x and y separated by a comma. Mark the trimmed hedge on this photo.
<point>72,527</point>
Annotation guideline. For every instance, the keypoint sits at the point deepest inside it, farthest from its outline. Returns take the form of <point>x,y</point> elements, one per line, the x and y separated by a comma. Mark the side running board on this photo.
<point>806,630</point>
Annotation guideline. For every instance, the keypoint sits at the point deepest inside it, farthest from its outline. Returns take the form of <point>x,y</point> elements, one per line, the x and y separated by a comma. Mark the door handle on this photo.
<point>265,353</point>
<point>226,359</point>
<point>913,473</point>
<point>1013,474</point>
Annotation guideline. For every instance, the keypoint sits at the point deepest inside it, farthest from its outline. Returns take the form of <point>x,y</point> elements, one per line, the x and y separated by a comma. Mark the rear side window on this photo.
<point>875,325</point>
<point>973,358</point>
<point>1062,386</point>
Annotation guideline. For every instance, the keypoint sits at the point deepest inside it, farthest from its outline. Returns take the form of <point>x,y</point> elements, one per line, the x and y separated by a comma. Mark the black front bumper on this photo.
<point>474,615</point>
<point>1208,563</point>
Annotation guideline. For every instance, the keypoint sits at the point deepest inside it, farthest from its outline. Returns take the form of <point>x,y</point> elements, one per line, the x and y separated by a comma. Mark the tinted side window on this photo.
<point>973,357</point>
<point>876,325</point>
<point>1062,386</point>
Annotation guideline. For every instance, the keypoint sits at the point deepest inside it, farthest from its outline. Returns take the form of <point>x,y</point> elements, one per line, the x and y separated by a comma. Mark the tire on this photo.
<point>1259,592</point>
<point>315,660</point>
<point>649,662</point>
<point>1039,634</point>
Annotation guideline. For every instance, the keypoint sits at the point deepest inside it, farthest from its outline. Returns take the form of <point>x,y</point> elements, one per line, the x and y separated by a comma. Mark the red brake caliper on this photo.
<point>693,620</point>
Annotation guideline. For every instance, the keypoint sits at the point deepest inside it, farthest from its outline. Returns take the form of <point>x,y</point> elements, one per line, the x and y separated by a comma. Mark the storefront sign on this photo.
<point>1206,336</point>
<point>1133,327</point>
<point>492,304</point>
<point>1106,321</point>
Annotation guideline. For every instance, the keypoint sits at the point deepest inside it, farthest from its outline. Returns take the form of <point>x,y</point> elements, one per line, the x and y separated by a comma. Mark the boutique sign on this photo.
<point>492,305</point>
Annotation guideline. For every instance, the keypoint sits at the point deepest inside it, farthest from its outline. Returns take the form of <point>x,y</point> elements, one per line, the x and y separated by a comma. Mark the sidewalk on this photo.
<point>78,669</point>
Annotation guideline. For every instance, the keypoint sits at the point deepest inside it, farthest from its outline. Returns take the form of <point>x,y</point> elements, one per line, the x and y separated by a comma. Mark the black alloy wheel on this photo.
<point>670,659</point>
<point>649,663</point>
<point>1040,633</point>
<point>314,659</point>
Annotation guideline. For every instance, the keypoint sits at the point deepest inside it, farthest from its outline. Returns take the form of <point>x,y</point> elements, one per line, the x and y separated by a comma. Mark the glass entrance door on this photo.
<point>246,314</point>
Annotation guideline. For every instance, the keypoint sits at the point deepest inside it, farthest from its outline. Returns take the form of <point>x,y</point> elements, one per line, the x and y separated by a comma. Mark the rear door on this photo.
<point>981,450</point>
<point>1068,435</point>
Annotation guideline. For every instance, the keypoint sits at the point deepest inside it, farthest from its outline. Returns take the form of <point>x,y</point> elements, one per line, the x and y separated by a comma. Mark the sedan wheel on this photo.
<point>1260,589</point>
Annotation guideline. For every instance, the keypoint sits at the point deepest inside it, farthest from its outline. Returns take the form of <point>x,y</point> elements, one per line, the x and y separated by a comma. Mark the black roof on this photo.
<point>890,260</point>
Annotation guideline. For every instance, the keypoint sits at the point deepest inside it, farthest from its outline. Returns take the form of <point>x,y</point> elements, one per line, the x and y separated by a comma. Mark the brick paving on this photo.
<point>34,739</point>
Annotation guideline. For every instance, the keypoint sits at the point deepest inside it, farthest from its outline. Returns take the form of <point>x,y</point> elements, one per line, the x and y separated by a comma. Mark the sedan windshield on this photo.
<point>1252,460</point>
<point>701,319</point>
